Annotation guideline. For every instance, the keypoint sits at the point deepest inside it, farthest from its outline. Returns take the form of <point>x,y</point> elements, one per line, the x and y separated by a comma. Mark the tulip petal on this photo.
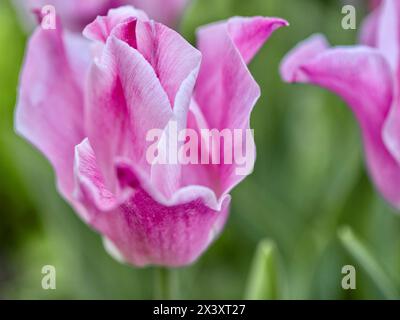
<point>388,34</point>
<point>175,63</point>
<point>143,230</point>
<point>125,101</point>
<point>171,56</point>
<point>50,104</point>
<point>362,77</point>
<point>168,177</point>
<point>381,30</point>
<point>369,29</point>
<point>305,51</point>
<point>224,79</point>
<point>100,29</point>
<point>179,84</point>
<point>226,92</point>
<point>250,34</point>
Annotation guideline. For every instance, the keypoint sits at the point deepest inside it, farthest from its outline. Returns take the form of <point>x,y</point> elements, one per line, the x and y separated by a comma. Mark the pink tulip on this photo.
<point>367,78</point>
<point>76,14</point>
<point>89,114</point>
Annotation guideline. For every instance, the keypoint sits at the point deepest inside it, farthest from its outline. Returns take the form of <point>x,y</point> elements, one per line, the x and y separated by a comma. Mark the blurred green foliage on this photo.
<point>309,180</point>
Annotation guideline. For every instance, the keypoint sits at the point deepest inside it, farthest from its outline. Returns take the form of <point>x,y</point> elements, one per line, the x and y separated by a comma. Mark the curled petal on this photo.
<point>100,29</point>
<point>304,52</point>
<point>224,79</point>
<point>250,34</point>
<point>363,78</point>
<point>226,92</point>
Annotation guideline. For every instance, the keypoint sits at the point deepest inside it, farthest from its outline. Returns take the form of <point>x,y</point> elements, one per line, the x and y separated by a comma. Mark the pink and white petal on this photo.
<point>250,34</point>
<point>101,28</point>
<point>168,177</point>
<point>50,101</point>
<point>176,64</point>
<point>125,101</point>
<point>143,230</point>
<point>78,53</point>
<point>130,176</point>
<point>226,92</point>
<point>391,129</point>
<point>146,232</point>
<point>304,51</point>
<point>369,29</point>
<point>174,231</point>
<point>195,173</point>
<point>362,77</point>
<point>171,56</point>
<point>381,30</point>
<point>89,182</point>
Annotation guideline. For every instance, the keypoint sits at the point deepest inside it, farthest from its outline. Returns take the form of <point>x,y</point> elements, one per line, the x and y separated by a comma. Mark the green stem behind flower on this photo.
<point>263,282</point>
<point>361,254</point>
<point>164,284</point>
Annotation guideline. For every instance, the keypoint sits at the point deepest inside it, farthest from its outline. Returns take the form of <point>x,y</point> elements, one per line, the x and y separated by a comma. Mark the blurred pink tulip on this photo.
<point>76,14</point>
<point>367,78</point>
<point>374,3</point>
<point>89,114</point>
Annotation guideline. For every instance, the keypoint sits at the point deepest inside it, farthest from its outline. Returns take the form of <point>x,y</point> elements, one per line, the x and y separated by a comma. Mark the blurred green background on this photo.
<point>309,181</point>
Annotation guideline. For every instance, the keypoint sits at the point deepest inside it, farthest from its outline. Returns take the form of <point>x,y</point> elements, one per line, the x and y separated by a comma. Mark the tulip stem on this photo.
<point>163,284</point>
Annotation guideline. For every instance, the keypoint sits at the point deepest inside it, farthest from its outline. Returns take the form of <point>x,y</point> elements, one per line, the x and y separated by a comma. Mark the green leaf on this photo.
<point>361,253</point>
<point>263,278</point>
